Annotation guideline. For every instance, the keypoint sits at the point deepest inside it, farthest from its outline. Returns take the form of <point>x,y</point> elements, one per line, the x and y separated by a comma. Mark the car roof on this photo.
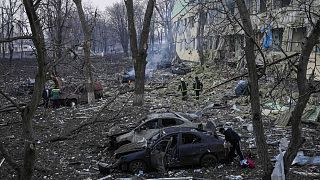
<point>166,115</point>
<point>171,130</point>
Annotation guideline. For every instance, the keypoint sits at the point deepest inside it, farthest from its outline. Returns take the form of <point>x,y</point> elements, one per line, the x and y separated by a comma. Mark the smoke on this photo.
<point>157,58</point>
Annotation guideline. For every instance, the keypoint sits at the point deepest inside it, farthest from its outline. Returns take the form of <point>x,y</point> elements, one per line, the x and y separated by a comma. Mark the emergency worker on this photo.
<point>197,87</point>
<point>183,88</point>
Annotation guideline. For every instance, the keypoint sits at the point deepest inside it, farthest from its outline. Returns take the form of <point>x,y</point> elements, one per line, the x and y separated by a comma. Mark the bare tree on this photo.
<point>87,31</point>
<point>305,88</point>
<point>164,9</point>
<point>56,14</point>
<point>262,146</point>
<point>139,48</point>
<point>27,113</point>
<point>118,22</point>
<point>200,30</point>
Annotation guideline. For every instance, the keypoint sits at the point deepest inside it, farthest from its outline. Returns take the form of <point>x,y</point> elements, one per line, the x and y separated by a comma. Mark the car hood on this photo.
<point>117,131</point>
<point>131,147</point>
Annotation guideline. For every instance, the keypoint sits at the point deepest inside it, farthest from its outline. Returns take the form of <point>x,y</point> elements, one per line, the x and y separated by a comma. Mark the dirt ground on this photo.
<point>76,156</point>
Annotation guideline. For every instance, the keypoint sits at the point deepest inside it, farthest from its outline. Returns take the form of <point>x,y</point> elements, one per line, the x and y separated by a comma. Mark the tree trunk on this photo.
<point>262,146</point>
<point>305,88</point>
<point>200,33</point>
<point>58,32</point>
<point>139,83</point>
<point>28,112</point>
<point>2,33</point>
<point>139,53</point>
<point>86,48</point>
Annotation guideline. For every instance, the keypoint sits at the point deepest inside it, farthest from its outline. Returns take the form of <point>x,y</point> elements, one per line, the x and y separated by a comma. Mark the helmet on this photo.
<point>182,79</point>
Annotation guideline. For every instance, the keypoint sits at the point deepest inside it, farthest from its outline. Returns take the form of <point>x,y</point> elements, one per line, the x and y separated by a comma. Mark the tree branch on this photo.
<point>5,40</point>
<point>244,74</point>
<point>12,101</point>
<point>10,160</point>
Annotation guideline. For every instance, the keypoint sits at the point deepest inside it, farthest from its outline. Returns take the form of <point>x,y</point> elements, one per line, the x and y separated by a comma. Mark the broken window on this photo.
<point>191,21</point>
<point>298,35</point>
<point>166,143</point>
<point>263,6</point>
<point>231,5</point>
<point>153,124</point>
<point>168,122</point>
<point>281,3</point>
<point>277,35</point>
<point>286,3</point>
<point>188,138</point>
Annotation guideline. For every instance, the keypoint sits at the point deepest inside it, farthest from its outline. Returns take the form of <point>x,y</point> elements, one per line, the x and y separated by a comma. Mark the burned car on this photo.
<point>77,94</point>
<point>149,126</point>
<point>176,146</point>
<point>181,69</point>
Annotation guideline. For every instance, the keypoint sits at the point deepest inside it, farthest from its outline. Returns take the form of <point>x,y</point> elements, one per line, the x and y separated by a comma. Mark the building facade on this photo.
<point>283,23</point>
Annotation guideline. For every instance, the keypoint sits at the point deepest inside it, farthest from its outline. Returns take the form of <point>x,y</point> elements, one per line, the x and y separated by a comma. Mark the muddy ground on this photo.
<point>76,155</point>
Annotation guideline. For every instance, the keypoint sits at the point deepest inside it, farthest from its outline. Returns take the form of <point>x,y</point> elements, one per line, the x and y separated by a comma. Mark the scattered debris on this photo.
<point>2,161</point>
<point>301,159</point>
<point>278,171</point>
<point>232,177</point>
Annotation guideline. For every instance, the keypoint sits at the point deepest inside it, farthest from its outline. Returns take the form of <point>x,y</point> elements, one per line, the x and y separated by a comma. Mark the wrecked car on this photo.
<point>149,126</point>
<point>179,146</point>
<point>26,87</point>
<point>78,94</point>
<point>181,69</point>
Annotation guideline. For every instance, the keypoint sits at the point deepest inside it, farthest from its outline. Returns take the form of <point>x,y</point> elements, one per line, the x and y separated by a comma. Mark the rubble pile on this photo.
<point>84,127</point>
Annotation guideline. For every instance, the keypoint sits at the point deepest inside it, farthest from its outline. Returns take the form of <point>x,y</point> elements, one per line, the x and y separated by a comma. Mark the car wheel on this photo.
<point>136,166</point>
<point>208,160</point>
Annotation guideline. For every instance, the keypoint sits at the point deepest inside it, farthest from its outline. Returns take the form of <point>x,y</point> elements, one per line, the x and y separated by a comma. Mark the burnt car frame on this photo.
<point>181,146</point>
<point>149,126</point>
<point>78,94</point>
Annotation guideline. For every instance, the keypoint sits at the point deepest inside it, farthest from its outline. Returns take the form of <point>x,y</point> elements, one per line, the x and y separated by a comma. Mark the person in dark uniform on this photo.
<point>46,96</point>
<point>197,87</point>
<point>234,139</point>
<point>183,88</point>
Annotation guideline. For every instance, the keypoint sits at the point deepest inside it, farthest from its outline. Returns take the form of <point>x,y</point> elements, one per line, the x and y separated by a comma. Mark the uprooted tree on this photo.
<point>139,47</point>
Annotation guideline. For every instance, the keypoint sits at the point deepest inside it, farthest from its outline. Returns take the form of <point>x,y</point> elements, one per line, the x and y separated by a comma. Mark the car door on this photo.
<point>191,148</point>
<point>146,129</point>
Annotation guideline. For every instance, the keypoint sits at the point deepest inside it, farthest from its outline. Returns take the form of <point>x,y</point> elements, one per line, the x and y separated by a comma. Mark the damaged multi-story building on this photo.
<point>280,27</point>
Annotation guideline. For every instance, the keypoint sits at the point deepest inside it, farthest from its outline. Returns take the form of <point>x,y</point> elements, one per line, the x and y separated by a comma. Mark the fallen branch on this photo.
<point>5,40</point>
<point>245,74</point>
<point>2,161</point>
<point>11,107</point>
<point>10,160</point>
<point>155,88</point>
<point>93,121</point>
<point>12,101</point>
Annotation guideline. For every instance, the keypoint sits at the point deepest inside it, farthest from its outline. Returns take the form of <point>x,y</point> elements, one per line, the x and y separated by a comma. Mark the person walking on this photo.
<point>46,96</point>
<point>197,87</point>
<point>234,139</point>
<point>183,88</point>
